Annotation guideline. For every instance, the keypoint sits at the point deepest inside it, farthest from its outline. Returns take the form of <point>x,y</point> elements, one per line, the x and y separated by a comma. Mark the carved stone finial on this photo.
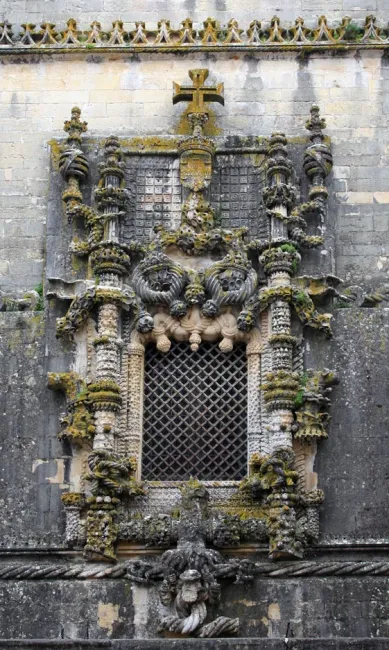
<point>48,34</point>
<point>74,127</point>
<point>70,35</point>
<point>278,192</point>
<point>318,157</point>
<point>94,34</point>
<point>6,33</point>
<point>28,35</point>
<point>316,123</point>
<point>73,163</point>
<point>187,33</point>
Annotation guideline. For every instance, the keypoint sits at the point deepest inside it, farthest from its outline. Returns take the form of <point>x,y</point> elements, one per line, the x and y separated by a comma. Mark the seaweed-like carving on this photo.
<point>299,299</point>
<point>228,282</point>
<point>110,478</point>
<point>312,402</point>
<point>159,280</point>
<point>77,313</point>
<point>274,479</point>
<point>78,424</point>
<point>83,303</point>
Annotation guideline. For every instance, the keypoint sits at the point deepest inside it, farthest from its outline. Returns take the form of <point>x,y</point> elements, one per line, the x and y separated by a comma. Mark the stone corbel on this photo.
<point>195,328</point>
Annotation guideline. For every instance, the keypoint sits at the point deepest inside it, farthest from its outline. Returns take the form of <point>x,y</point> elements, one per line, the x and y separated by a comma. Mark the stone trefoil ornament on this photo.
<point>195,283</point>
<point>266,35</point>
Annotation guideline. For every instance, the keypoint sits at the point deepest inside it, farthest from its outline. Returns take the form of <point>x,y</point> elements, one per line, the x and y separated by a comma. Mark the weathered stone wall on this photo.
<point>312,607</point>
<point>351,464</point>
<point>264,92</point>
<point>108,10</point>
<point>131,95</point>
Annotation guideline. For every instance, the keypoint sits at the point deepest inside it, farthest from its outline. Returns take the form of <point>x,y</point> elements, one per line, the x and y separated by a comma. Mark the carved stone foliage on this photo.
<point>77,424</point>
<point>194,282</point>
<point>312,402</point>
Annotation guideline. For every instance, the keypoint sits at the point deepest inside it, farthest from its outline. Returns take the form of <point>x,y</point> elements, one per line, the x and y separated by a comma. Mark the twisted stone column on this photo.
<point>279,262</point>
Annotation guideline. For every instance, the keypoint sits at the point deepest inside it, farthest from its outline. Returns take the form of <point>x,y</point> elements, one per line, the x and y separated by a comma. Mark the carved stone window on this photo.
<point>188,354</point>
<point>195,413</point>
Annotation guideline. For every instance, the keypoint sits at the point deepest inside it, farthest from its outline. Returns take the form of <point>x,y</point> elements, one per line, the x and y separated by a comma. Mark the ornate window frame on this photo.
<point>193,328</point>
<point>224,300</point>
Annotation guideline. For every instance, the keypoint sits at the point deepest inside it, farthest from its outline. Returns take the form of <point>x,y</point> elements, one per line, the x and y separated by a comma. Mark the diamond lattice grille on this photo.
<point>195,413</point>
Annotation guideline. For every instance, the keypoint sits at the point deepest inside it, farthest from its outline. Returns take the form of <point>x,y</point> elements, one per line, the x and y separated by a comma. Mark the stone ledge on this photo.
<point>341,643</point>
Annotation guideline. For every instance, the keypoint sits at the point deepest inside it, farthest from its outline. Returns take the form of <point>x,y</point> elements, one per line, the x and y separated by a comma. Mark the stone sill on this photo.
<point>25,51</point>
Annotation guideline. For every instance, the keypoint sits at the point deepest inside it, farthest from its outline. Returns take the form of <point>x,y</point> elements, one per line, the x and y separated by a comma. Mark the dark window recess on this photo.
<point>195,413</point>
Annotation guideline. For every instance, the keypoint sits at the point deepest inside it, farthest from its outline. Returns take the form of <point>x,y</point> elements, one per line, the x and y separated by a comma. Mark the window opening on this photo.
<point>195,413</point>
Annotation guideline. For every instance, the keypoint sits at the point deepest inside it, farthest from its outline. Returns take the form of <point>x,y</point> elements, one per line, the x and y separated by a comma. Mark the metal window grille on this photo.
<point>195,413</point>
<point>155,196</point>
<point>236,191</point>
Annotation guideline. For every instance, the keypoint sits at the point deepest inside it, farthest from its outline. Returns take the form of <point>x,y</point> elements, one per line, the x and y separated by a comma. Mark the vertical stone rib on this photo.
<point>253,402</point>
<point>135,401</point>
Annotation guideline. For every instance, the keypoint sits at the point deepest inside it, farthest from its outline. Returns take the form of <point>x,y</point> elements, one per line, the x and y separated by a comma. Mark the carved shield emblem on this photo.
<point>195,169</point>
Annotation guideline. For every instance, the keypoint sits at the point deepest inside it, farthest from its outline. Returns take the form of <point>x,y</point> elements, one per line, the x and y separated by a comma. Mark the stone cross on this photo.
<point>198,94</point>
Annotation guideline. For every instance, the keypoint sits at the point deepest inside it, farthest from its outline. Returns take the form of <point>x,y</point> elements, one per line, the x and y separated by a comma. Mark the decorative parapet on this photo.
<point>259,36</point>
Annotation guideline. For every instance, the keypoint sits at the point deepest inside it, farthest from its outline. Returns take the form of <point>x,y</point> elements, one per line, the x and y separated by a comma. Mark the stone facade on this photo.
<point>166,570</point>
<point>264,93</point>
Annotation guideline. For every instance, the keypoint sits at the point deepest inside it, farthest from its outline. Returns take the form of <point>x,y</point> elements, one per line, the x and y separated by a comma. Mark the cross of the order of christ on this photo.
<point>198,94</point>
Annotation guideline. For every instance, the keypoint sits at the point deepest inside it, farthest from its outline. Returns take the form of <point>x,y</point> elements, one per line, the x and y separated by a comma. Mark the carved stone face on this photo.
<point>196,169</point>
<point>190,583</point>
<point>232,279</point>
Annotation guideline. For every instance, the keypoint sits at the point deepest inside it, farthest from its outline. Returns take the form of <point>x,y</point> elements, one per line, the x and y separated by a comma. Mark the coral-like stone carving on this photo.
<point>195,282</point>
<point>190,572</point>
<point>78,424</point>
<point>312,402</point>
<point>110,478</point>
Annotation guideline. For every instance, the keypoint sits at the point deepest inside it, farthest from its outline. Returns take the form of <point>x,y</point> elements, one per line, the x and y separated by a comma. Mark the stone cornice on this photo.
<point>189,37</point>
